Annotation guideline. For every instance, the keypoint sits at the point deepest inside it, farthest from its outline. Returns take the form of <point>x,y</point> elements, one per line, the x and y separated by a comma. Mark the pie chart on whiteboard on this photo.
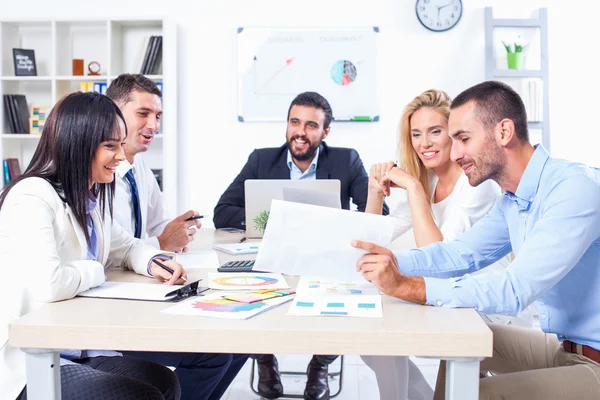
<point>343,72</point>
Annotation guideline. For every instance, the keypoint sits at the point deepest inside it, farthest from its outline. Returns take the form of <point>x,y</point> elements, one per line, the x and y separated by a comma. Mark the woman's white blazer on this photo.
<point>43,258</point>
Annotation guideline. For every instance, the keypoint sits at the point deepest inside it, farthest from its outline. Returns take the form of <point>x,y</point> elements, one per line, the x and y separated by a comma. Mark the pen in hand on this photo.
<point>193,217</point>
<point>163,266</point>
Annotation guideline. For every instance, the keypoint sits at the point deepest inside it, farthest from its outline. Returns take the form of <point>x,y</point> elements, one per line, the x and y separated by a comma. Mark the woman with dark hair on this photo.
<point>56,229</point>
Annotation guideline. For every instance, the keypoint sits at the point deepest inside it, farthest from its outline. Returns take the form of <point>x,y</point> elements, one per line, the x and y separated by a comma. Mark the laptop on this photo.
<point>260,192</point>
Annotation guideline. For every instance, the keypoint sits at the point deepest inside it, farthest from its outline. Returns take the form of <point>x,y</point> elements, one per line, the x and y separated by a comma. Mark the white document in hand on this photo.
<point>302,239</point>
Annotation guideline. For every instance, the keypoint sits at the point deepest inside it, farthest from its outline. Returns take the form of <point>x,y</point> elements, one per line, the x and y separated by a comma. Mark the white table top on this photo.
<point>405,329</point>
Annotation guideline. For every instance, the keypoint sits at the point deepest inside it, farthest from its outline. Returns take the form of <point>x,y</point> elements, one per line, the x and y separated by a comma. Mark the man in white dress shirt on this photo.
<point>138,204</point>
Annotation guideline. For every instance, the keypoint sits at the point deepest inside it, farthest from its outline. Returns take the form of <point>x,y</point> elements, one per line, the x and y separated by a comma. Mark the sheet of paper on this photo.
<point>367,306</point>
<point>214,305</point>
<point>245,281</point>
<point>131,290</point>
<point>198,259</point>
<point>312,286</point>
<point>302,239</point>
<point>238,248</point>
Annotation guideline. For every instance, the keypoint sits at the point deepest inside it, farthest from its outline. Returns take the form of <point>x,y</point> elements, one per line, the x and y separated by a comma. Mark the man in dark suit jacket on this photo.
<point>304,156</point>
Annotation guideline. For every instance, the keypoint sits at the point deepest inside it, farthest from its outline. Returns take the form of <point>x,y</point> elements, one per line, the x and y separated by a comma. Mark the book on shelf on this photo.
<point>11,169</point>
<point>5,172</point>
<point>16,113</point>
<point>139,59</point>
<point>152,62</point>
<point>532,94</point>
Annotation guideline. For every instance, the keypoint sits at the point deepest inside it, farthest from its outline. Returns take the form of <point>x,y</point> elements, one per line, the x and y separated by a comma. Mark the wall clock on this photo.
<point>439,15</point>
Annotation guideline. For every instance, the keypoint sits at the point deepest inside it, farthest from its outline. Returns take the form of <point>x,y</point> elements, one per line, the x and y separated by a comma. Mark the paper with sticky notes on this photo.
<point>259,295</point>
<point>216,305</point>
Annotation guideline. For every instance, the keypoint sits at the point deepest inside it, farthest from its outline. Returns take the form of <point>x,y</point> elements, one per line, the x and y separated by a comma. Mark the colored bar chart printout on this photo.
<point>319,297</point>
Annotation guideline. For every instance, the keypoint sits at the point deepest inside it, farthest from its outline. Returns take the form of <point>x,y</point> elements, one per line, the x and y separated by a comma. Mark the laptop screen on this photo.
<point>260,192</point>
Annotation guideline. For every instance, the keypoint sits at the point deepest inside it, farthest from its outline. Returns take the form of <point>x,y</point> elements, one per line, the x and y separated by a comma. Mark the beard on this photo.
<point>304,155</point>
<point>490,165</point>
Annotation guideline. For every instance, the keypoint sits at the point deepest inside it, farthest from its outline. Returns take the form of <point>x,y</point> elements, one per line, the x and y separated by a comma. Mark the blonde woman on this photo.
<point>439,205</point>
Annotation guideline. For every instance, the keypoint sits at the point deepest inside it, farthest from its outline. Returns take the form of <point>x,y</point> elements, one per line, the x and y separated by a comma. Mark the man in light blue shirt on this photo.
<point>549,217</point>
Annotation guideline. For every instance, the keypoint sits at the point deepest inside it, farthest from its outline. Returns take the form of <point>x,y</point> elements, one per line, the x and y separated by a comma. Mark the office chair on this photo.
<point>334,374</point>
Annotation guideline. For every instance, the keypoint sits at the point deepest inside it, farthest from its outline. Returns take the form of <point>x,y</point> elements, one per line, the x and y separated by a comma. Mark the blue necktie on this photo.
<point>135,202</point>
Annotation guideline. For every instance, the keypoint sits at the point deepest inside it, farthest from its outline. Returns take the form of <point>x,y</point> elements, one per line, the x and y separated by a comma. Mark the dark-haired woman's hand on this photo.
<point>165,276</point>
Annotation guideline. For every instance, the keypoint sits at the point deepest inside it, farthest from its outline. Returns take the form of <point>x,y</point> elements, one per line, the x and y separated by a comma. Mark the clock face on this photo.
<point>439,15</point>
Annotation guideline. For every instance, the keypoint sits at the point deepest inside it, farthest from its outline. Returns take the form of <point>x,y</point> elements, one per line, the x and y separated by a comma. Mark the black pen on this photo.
<point>242,240</point>
<point>193,217</point>
<point>163,266</point>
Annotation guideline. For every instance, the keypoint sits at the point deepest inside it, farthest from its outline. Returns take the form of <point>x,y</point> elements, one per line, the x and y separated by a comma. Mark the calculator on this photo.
<point>237,266</point>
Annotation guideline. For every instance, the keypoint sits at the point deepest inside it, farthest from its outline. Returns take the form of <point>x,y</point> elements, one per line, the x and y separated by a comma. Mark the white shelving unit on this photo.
<point>535,30</point>
<point>116,45</point>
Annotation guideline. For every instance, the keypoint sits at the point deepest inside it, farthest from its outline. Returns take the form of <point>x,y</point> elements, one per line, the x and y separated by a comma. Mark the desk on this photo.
<point>458,335</point>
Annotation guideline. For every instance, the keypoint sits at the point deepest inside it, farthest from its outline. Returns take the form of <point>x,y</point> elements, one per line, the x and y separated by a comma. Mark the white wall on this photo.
<point>214,146</point>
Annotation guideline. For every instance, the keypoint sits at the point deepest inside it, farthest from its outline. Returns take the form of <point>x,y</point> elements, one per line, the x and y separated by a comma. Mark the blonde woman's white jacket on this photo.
<point>43,255</point>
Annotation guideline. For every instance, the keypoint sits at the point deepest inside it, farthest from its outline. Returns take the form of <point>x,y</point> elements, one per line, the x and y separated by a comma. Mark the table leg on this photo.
<point>43,375</point>
<point>462,378</point>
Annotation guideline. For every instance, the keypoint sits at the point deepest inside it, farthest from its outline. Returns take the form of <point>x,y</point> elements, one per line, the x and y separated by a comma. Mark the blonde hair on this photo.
<point>438,101</point>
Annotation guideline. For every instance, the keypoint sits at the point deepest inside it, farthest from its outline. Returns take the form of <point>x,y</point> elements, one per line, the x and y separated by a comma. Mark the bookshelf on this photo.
<point>117,45</point>
<point>535,74</point>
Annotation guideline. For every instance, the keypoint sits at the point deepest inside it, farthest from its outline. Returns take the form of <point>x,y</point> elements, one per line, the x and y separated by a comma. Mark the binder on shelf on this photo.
<point>12,114</point>
<point>148,54</point>
<point>153,57</point>
<point>139,60</point>
<point>100,87</point>
<point>8,113</point>
<point>22,112</point>
<point>16,113</point>
<point>6,173</point>
<point>85,87</point>
<point>11,169</point>
<point>14,170</point>
<point>156,57</point>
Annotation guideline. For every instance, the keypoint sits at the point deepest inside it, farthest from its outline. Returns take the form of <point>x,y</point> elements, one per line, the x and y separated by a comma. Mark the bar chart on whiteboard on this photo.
<point>275,65</point>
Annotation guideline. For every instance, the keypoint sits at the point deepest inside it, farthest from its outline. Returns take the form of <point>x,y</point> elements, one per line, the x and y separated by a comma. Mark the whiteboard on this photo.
<point>277,64</point>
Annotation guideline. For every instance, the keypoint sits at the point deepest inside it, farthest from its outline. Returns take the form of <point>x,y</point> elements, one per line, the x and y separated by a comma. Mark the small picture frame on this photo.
<point>24,60</point>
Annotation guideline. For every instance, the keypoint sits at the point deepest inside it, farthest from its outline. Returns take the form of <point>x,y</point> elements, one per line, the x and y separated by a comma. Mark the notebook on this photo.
<point>237,248</point>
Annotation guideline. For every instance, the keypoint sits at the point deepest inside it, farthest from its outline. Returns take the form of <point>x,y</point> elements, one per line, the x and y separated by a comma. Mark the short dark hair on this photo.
<point>315,100</point>
<point>495,101</point>
<point>121,88</point>
<point>74,129</point>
